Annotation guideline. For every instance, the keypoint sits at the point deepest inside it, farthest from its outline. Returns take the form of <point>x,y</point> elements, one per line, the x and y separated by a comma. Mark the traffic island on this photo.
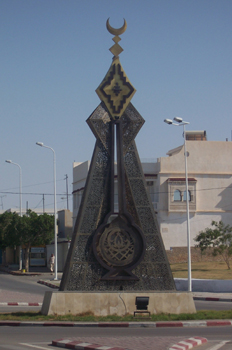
<point>115,303</point>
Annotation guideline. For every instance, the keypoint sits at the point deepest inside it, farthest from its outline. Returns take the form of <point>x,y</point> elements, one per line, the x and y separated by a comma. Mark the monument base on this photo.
<point>115,303</point>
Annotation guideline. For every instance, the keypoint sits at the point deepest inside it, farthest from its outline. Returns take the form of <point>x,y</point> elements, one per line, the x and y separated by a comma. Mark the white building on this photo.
<point>210,187</point>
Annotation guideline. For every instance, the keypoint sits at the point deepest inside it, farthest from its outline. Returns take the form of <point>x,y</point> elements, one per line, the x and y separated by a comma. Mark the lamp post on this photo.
<point>20,204</point>
<point>54,174</point>
<point>181,122</point>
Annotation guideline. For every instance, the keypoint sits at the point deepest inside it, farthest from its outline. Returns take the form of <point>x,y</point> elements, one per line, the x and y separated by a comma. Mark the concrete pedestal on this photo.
<point>115,303</point>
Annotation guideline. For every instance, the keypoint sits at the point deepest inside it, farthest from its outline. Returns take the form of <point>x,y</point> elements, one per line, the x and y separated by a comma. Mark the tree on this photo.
<point>219,238</point>
<point>28,230</point>
<point>4,222</point>
<point>8,230</point>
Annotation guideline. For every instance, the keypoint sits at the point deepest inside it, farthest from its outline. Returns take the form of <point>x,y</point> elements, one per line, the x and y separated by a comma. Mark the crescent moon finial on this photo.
<point>116,31</point>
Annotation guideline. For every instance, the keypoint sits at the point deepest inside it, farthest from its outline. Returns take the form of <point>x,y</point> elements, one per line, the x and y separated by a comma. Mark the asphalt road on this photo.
<point>21,338</point>
<point>212,305</point>
<point>21,289</point>
<point>24,284</point>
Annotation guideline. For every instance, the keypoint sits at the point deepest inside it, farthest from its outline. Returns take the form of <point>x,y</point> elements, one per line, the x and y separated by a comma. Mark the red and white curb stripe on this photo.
<point>48,284</point>
<point>119,324</point>
<point>188,343</point>
<point>20,304</point>
<point>71,344</point>
<point>212,299</point>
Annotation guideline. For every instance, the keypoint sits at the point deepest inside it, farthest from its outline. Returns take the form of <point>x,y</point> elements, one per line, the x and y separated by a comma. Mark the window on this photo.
<point>189,196</point>
<point>177,196</point>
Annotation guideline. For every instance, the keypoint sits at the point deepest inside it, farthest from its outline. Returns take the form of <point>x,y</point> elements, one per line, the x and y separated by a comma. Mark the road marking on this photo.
<point>220,345</point>
<point>188,343</point>
<point>35,346</point>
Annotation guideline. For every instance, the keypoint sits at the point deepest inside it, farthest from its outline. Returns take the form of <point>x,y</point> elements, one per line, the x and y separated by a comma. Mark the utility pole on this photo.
<point>2,200</point>
<point>43,205</point>
<point>66,178</point>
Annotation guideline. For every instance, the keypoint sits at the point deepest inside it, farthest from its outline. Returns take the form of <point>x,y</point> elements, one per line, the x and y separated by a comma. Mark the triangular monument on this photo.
<point>112,251</point>
<point>115,256</point>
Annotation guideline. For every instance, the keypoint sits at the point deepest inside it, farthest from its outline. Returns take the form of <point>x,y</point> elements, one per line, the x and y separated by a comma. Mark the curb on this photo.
<point>48,284</point>
<point>212,299</point>
<point>72,344</point>
<point>213,323</point>
<point>22,273</point>
<point>20,304</point>
<point>19,273</point>
<point>188,343</point>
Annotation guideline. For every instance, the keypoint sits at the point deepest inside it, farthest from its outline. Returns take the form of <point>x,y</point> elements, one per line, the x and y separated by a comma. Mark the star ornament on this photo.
<point>115,90</point>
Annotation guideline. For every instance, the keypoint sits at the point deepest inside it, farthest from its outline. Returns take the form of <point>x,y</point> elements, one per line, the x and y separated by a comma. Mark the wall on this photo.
<point>209,162</point>
<point>80,172</point>
<point>65,224</point>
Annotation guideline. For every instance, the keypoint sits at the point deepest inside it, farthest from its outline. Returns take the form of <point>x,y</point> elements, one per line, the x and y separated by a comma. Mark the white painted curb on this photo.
<point>188,343</point>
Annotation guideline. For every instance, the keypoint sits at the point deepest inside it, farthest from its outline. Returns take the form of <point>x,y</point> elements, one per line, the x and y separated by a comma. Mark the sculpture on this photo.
<point>112,251</point>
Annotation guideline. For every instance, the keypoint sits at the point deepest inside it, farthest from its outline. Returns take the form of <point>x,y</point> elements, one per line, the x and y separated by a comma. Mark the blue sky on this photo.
<point>54,53</point>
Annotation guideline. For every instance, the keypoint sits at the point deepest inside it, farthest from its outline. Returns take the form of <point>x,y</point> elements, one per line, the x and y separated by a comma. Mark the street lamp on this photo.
<point>181,122</point>
<point>54,174</point>
<point>20,204</point>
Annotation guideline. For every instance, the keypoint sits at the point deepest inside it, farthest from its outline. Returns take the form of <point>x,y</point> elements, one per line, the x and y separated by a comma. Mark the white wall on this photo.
<point>209,162</point>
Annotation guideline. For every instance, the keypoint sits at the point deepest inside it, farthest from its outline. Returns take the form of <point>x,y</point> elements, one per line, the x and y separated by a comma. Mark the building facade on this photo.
<point>209,187</point>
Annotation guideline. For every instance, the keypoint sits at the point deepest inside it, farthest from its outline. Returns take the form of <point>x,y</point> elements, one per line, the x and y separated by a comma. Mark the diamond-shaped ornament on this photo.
<point>115,90</point>
<point>116,49</point>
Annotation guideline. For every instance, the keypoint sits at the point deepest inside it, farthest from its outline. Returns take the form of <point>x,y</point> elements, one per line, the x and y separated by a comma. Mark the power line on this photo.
<point>34,194</point>
<point>42,183</point>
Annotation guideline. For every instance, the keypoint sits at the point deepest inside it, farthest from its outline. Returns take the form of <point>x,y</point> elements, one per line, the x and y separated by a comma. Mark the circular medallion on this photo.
<point>117,246</point>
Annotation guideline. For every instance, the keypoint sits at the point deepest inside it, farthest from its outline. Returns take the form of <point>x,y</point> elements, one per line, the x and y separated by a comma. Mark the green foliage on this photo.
<point>219,238</point>
<point>9,230</point>
<point>28,230</point>
<point>36,229</point>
